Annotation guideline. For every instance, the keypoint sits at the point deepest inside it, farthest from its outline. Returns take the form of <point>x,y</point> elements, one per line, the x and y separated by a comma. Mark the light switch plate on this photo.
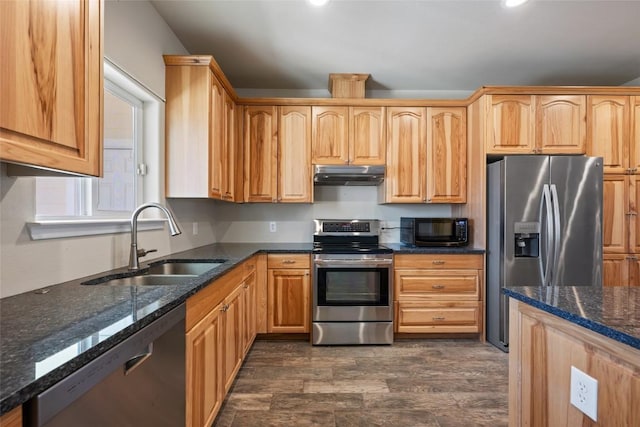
<point>584,393</point>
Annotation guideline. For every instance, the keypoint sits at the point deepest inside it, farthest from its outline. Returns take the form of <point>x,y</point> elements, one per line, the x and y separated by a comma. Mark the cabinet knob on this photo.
<point>438,262</point>
<point>437,286</point>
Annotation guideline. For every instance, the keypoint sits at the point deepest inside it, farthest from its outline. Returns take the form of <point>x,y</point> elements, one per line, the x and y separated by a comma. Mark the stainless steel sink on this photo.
<point>150,280</point>
<point>163,273</point>
<point>175,267</point>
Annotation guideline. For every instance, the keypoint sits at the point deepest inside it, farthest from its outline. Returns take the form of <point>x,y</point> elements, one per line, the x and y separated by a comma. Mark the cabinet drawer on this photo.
<point>437,317</point>
<point>288,261</point>
<point>437,261</point>
<point>437,284</point>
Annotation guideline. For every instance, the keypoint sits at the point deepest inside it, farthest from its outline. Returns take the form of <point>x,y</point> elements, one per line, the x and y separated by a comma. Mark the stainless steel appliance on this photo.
<point>139,382</point>
<point>348,175</point>
<point>352,284</point>
<point>434,231</point>
<point>544,228</point>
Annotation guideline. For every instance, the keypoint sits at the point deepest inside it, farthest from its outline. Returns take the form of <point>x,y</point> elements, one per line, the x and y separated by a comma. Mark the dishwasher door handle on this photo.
<point>131,364</point>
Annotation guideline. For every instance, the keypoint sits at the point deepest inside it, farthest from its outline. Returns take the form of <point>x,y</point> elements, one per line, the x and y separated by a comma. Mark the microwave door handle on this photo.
<point>556,234</point>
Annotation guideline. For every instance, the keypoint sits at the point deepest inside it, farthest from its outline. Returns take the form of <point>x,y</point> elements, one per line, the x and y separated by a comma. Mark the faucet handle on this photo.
<point>143,252</point>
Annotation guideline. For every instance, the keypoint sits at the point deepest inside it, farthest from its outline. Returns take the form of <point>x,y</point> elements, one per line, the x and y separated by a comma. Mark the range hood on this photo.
<point>348,175</point>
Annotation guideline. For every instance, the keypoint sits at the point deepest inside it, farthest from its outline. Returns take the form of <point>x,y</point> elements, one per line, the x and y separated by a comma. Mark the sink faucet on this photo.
<point>135,253</point>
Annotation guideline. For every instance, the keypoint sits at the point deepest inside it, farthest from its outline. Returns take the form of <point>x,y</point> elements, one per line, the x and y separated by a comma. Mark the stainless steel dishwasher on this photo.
<point>139,382</point>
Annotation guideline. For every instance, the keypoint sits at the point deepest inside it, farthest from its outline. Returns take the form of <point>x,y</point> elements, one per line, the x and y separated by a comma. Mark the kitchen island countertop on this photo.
<point>610,311</point>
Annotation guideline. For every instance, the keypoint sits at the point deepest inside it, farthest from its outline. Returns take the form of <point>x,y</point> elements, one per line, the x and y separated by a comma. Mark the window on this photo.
<point>103,205</point>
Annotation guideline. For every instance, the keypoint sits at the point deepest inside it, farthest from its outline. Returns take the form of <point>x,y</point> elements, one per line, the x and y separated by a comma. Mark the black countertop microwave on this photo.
<point>434,231</point>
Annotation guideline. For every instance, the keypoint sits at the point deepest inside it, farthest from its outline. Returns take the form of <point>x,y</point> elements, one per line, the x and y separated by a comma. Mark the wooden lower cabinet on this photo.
<point>621,270</point>
<point>12,418</point>
<point>288,294</point>
<point>542,350</point>
<point>221,325</point>
<point>204,392</point>
<point>438,293</point>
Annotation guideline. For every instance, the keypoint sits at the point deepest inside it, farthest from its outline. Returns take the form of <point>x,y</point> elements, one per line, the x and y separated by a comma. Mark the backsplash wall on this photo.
<point>250,222</point>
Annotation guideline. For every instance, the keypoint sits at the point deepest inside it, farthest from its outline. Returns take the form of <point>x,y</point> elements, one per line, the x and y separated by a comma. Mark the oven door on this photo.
<point>352,288</point>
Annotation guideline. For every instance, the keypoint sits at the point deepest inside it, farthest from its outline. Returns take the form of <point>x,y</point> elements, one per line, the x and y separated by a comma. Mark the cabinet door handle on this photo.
<point>224,308</point>
<point>438,262</point>
<point>632,213</point>
<point>288,261</point>
<point>438,286</point>
<point>632,258</point>
<point>245,286</point>
<point>438,318</point>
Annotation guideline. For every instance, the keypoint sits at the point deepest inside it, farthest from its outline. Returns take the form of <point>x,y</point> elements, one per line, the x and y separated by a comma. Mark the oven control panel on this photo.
<point>346,227</point>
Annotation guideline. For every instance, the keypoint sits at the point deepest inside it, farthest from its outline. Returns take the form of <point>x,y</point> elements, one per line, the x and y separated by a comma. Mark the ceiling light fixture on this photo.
<point>514,3</point>
<point>318,2</point>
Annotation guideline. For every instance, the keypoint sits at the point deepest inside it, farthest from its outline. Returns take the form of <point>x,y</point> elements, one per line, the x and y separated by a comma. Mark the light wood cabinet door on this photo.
<point>446,155</point>
<point>405,179</point>
<point>230,152</point>
<point>633,263</point>
<point>260,153</point>
<point>510,124</point>
<point>233,335</point>
<point>217,135</point>
<point>12,418</point>
<point>289,309</point>
<point>634,148</point>
<point>204,369</point>
<point>561,124</point>
<point>615,270</point>
<point>633,187</point>
<point>52,84</point>
<point>615,214</point>
<point>608,131</point>
<point>367,135</point>
<point>250,309</point>
<point>295,179</point>
<point>330,138</point>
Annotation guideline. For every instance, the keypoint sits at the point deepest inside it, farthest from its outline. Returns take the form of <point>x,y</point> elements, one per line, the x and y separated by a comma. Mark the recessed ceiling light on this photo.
<point>318,2</point>
<point>514,3</point>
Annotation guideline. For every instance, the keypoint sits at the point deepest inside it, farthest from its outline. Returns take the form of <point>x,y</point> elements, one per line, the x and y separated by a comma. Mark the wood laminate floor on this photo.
<point>439,383</point>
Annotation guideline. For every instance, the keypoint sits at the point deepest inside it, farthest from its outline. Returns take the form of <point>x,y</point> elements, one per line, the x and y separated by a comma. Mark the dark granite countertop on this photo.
<point>401,248</point>
<point>47,334</point>
<point>610,311</point>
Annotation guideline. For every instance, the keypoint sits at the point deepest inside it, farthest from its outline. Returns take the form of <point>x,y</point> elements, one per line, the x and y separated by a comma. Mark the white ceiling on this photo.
<point>428,45</point>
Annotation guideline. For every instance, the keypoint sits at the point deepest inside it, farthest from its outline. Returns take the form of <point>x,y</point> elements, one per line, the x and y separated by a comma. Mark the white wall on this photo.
<point>250,222</point>
<point>135,39</point>
<point>634,82</point>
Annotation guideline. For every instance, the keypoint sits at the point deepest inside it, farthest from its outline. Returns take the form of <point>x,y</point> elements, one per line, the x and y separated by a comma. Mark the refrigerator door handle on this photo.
<point>546,203</point>
<point>556,232</point>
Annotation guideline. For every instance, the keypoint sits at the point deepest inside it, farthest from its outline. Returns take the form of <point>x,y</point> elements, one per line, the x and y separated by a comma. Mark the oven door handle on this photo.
<point>358,262</point>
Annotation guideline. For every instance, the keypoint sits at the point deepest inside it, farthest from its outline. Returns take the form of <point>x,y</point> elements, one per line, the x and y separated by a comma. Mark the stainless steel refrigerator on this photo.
<point>544,228</point>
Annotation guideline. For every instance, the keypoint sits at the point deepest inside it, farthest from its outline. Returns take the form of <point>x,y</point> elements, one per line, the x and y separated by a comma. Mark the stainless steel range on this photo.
<point>352,284</point>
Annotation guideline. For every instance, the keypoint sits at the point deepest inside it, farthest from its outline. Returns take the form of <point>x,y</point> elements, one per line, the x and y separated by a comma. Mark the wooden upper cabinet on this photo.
<point>52,84</point>
<point>348,135</point>
<point>192,99</point>
<point>510,124</point>
<point>406,147</point>
<point>634,147</point>
<point>446,155</point>
<point>260,153</point>
<point>367,143</point>
<point>608,131</point>
<point>330,140</point>
<point>217,135</point>
<point>561,123</point>
<point>295,179</point>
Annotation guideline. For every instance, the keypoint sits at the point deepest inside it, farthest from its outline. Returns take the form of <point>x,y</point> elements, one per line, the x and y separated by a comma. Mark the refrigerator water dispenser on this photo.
<point>526,239</point>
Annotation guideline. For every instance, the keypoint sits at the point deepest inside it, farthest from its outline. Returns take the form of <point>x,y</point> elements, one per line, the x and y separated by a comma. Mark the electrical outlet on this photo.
<point>272,227</point>
<point>195,228</point>
<point>584,393</point>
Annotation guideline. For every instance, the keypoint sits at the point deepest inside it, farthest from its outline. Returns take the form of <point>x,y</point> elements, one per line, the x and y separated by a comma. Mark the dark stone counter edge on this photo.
<point>41,384</point>
<point>573,318</point>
